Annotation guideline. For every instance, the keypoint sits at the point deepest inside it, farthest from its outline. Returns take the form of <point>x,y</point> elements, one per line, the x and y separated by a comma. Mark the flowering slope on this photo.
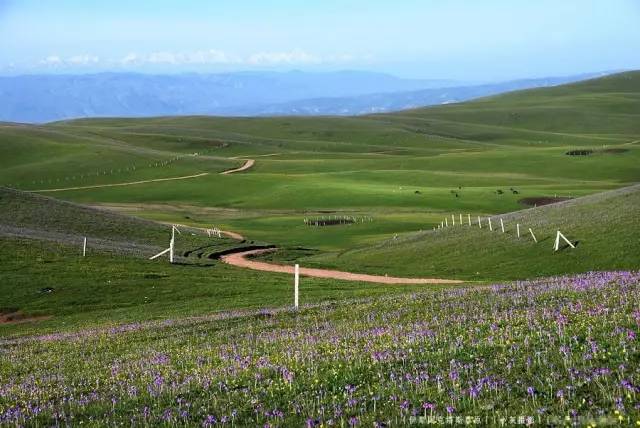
<point>550,351</point>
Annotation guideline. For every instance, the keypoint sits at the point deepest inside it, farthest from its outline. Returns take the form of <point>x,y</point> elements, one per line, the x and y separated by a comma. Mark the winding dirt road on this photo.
<point>248,164</point>
<point>233,235</point>
<point>240,260</point>
<point>128,183</point>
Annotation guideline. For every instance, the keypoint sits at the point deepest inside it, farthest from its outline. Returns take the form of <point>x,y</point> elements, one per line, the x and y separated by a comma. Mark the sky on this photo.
<point>471,40</point>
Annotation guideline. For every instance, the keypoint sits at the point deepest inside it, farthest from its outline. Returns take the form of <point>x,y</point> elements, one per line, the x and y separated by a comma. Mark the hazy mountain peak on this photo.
<point>43,98</point>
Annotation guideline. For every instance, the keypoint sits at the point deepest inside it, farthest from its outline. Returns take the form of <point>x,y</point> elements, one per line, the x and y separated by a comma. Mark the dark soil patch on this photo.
<point>219,254</point>
<point>582,152</point>
<point>537,201</point>
<point>329,222</point>
<point>19,317</point>
<point>155,276</point>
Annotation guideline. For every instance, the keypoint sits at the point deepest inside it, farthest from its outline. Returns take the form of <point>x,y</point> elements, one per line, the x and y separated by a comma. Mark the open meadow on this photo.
<point>554,352</point>
<point>503,331</point>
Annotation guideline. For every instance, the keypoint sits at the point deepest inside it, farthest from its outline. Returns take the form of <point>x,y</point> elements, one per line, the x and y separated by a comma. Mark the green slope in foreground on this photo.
<point>559,352</point>
<point>604,228</point>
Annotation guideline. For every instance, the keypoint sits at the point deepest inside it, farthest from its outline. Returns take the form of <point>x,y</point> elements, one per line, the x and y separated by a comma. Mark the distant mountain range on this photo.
<point>387,102</point>
<point>45,98</point>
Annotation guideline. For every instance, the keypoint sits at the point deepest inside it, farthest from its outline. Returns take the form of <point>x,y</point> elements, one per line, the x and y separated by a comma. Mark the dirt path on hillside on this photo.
<point>240,260</point>
<point>247,164</point>
<point>232,235</point>
<point>129,183</point>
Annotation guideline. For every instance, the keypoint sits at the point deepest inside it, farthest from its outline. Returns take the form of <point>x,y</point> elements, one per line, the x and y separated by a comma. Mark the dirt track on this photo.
<point>240,260</point>
<point>248,164</point>
<point>232,235</point>
<point>129,183</point>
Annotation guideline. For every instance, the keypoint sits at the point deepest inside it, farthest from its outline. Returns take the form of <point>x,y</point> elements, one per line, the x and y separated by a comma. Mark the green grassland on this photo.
<point>111,289</point>
<point>46,279</point>
<point>551,352</point>
<point>404,171</point>
<point>604,227</point>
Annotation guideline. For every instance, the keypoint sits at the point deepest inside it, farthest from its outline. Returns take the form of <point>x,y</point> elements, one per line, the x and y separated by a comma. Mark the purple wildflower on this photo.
<point>209,421</point>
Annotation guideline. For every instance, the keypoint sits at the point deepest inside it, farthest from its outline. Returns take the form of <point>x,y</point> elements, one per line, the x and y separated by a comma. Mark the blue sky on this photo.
<point>469,40</point>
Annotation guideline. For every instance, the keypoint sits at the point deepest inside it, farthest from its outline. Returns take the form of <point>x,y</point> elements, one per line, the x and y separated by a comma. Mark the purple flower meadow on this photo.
<point>541,350</point>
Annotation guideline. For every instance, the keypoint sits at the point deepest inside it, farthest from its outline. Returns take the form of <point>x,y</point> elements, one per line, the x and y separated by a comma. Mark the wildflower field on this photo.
<point>558,351</point>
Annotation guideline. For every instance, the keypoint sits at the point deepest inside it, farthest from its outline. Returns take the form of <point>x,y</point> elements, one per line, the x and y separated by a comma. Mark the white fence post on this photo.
<point>556,245</point>
<point>453,220</point>
<point>490,225</point>
<point>501,224</point>
<point>172,243</point>
<point>84,247</point>
<point>296,281</point>
<point>460,219</point>
<point>171,248</point>
<point>479,222</point>
<point>469,216</point>
<point>518,229</point>
<point>446,222</point>
<point>534,236</point>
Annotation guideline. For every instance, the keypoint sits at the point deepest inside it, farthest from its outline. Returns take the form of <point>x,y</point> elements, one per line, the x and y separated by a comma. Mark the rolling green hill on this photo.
<point>604,228</point>
<point>399,168</point>
<point>48,286</point>
<point>594,108</point>
<point>403,172</point>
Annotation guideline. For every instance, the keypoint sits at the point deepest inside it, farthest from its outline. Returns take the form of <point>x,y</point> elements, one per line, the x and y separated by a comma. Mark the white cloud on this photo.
<point>162,58</point>
<point>276,58</point>
<point>211,56</point>
<point>131,58</point>
<point>214,56</point>
<point>51,60</point>
<point>199,57</point>
<point>75,60</point>
<point>83,60</point>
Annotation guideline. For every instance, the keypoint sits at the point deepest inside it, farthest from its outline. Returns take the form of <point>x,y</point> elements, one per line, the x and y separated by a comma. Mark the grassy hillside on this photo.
<point>43,157</point>
<point>40,213</point>
<point>48,286</point>
<point>28,215</point>
<point>604,227</point>
<point>399,168</point>
<point>555,352</point>
<point>598,106</point>
<point>109,334</point>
